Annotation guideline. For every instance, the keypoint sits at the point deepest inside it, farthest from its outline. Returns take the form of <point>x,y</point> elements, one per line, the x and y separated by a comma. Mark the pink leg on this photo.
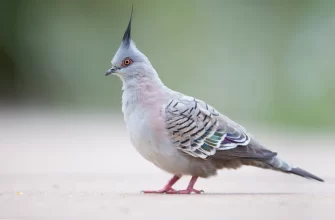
<point>189,189</point>
<point>166,189</point>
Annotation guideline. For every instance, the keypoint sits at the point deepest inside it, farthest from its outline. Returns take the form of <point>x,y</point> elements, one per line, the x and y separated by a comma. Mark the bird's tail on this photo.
<point>278,164</point>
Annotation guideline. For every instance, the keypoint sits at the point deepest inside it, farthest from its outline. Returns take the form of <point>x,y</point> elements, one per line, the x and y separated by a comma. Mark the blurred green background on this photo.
<point>262,61</point>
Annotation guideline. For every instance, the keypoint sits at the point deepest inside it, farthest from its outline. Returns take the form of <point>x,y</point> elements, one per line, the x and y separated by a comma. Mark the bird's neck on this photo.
<point>142,91</point>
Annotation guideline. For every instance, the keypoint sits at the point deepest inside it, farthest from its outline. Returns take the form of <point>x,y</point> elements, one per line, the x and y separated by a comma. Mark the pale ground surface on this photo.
<point>73,167</point>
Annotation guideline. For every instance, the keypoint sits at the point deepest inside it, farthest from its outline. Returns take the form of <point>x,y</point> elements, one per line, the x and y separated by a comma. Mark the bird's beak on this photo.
<point>111,71</point>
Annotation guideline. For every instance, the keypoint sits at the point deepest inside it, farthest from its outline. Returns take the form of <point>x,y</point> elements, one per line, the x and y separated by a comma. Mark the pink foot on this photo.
<point>167,189</point>
<point>187,191</point>
<point>161,191</point>
<point>190,188</point>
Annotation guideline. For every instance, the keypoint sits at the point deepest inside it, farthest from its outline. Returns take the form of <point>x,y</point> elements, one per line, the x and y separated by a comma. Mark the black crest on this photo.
<point>126,37</point>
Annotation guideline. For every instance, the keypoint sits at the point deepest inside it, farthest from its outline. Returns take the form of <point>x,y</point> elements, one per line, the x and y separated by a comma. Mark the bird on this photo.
<point>180,134</point>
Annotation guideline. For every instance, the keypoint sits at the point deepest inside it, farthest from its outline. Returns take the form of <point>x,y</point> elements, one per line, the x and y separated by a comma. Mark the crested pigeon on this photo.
<point>181,134</point>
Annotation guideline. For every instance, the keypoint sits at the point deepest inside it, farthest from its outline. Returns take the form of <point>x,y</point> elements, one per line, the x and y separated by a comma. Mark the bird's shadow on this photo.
<point>251,194</point>
<point>235,194</point>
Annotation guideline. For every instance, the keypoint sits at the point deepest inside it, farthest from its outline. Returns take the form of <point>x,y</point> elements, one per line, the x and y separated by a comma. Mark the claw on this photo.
<point>166,189</point>
<point>169,190</point>
<point>161,191</point>
<point>189,191</point>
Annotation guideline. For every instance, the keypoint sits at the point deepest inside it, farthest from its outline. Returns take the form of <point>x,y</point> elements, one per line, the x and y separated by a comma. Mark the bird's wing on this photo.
<point>199,130</point>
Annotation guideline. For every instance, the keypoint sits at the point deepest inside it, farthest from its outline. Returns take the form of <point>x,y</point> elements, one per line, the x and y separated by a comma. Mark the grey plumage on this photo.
<point>200,131</point>
<point>178,133</point>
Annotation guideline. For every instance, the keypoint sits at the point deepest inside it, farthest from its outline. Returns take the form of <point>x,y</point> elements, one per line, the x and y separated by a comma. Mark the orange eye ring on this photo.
<point>126,62</point>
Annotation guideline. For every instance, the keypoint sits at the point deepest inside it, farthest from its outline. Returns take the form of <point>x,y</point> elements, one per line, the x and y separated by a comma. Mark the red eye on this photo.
<point>126,62</point>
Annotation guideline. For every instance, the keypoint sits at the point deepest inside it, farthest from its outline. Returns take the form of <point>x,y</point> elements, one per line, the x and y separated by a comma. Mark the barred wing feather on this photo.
<point>199,130</point>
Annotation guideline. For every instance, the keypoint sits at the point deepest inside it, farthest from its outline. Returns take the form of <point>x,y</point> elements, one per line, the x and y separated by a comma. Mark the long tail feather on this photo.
<point>281,165</point>
<point>305,174</point>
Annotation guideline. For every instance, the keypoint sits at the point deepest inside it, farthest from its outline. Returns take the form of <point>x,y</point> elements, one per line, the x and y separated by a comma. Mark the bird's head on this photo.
<point>128,62</point>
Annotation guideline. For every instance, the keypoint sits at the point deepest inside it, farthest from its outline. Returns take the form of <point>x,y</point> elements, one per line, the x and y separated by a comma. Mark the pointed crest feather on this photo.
<point>127,37</point>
